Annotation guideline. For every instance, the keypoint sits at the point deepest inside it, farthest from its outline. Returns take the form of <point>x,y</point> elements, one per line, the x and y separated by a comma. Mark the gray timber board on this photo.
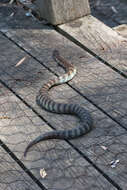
<point>12,177</point>
<point>121,29</point>
<point>62,11</point>
<point>41,44</point>
<point>99,38</point>
<point>103,86</point>
<point>57,159</point>
<point>26,79</point>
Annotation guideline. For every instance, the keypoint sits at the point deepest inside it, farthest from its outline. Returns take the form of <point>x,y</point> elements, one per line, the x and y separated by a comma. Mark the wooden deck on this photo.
<point>26,63</point>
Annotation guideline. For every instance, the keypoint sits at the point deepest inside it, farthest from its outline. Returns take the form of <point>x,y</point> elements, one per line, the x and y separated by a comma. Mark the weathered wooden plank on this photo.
<point>59,160</point>
<point>93,34</point>
<point>12,176</point>
<point>103,86</point>
<point>106,132</point>
<point>41,44</point>
<point>99,38</point>
<point>121,29</point>
<point>62,11</point>
<point>88,31</point>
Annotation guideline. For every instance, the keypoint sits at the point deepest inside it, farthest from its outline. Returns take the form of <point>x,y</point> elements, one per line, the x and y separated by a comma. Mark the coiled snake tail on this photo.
<point>45,102</point>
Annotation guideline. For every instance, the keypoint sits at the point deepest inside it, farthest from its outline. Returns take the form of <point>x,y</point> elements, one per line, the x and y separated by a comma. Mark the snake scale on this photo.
<point>45,102</point>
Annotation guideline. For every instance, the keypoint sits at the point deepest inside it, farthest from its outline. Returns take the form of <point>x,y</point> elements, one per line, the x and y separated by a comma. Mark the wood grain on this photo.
<point>62,11</point>
<point>93,77</point>
<point>28,126</point>
<point>101,39</point>
<point>60,162</point>
<point>12,176</point>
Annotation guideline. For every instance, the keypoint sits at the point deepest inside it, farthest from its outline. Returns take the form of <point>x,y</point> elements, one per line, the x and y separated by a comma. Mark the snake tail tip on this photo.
<point>25,153</point>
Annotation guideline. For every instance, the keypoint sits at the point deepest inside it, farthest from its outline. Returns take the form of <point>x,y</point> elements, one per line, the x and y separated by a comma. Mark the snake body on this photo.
<point>45,102</point>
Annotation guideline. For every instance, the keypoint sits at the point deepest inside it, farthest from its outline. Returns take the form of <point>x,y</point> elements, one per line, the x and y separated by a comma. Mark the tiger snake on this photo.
<point>45,102</point>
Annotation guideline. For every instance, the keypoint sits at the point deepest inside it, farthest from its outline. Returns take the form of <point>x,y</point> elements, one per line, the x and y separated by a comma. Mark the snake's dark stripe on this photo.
<point>45,102</point>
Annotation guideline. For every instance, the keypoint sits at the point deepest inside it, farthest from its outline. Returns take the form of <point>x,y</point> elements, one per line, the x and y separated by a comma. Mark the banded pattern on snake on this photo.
<point>45,102</point>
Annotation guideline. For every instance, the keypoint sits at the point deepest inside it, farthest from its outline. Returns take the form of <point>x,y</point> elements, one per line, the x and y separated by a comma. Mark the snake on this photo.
<point>45,102</point>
